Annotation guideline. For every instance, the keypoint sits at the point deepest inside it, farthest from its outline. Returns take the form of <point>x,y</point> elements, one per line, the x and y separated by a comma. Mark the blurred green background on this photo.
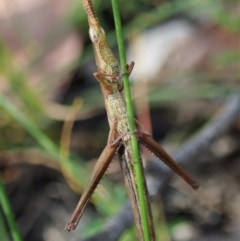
<point>53,124</point>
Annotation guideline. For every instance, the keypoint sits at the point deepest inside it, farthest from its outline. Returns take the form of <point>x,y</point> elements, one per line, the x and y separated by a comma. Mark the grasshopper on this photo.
<point>119,139</point>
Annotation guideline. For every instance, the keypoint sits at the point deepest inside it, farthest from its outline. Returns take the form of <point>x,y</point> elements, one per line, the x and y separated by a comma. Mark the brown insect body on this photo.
<point>119,137</point>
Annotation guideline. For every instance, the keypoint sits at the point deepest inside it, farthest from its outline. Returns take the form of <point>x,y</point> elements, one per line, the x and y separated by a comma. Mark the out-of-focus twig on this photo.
<point>65,143</point>
<point>67,127</point>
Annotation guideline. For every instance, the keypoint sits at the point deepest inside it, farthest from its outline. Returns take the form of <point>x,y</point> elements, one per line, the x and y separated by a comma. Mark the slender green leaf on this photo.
<point>132,127</point>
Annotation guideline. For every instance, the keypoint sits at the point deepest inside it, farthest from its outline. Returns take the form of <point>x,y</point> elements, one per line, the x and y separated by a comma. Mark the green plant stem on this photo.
<point>132,127</point>
<point>8,213</point>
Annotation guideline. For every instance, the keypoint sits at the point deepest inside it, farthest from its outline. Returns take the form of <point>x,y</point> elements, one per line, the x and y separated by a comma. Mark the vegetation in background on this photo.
<point>25,124</point>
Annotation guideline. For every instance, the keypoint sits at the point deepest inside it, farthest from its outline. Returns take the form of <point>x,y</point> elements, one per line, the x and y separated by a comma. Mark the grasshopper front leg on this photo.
<point>99,170</point>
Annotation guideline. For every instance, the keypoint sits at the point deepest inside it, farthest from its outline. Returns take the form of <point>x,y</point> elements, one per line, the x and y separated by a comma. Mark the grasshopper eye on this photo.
<point>93,35</point>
